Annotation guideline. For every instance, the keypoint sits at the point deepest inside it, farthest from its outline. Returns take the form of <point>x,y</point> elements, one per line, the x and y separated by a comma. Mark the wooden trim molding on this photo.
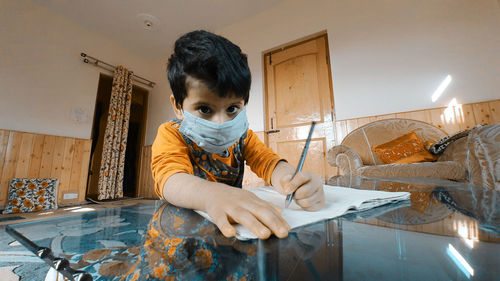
<point>29,155</point>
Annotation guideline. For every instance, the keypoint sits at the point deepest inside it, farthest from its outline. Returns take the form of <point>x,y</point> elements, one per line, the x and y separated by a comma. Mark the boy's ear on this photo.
<point>177,108</point>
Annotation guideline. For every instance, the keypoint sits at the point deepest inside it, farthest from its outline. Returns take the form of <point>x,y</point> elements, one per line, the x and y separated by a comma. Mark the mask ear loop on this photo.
<point>182,111</point>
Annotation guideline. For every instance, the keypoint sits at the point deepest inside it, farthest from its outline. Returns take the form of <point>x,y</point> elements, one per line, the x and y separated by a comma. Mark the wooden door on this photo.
<point>299,91</point>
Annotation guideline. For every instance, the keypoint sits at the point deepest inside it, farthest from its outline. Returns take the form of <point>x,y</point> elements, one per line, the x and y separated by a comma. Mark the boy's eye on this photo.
<point>232,109</point>
<point>204,110</point>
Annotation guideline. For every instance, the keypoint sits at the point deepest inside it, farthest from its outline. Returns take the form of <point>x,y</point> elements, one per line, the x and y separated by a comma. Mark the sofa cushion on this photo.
<point>405,149</point>
<point>32,195</point>
<point>440,170</point>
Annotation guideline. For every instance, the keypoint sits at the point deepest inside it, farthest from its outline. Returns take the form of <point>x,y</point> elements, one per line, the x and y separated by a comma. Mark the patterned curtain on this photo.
<point>115,137</point>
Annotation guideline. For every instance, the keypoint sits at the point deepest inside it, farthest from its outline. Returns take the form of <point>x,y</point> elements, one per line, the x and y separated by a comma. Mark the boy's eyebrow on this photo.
<point>201,103</point>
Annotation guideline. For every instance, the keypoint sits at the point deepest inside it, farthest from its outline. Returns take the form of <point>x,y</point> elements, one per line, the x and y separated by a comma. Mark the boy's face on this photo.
<point>207,105</point>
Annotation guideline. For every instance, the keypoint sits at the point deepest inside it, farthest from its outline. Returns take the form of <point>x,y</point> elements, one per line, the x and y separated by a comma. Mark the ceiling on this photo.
<point>117,19</point>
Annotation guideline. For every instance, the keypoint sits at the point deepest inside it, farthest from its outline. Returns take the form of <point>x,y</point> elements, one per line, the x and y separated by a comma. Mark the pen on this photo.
<point>301,162</point>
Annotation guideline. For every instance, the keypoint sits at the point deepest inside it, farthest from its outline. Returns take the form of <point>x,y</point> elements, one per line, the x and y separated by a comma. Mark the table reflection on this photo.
<point>181,245</point>
<point>446,231</point>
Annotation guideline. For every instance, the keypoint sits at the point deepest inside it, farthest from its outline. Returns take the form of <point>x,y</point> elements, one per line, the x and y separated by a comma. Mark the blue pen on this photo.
<point>301,162</point>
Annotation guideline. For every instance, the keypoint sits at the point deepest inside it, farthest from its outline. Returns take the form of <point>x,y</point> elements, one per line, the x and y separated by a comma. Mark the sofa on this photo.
<point>473,158</point>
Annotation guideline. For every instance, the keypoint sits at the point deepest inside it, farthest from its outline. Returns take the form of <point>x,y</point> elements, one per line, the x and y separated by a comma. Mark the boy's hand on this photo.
<point>308,189</point>
<point>227,205</point>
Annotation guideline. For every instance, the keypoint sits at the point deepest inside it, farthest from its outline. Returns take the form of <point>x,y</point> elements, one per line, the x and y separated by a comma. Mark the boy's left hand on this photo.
<point>308,189</point>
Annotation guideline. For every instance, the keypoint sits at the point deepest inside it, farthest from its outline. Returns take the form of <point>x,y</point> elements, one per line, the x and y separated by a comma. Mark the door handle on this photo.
<point>272,132</point>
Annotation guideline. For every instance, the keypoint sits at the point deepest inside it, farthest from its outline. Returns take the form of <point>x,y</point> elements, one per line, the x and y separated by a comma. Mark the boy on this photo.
<point>198,159</point>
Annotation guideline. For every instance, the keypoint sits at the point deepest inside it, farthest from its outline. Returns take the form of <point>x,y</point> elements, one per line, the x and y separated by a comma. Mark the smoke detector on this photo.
<point>147,21</point>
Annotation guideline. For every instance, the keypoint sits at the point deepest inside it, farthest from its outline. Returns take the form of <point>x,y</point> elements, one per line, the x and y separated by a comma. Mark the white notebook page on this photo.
<point>338,201</point>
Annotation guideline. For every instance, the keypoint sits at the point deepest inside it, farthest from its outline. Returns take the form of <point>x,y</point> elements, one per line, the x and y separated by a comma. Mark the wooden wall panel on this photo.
<point>24,158</point>
<point>49,143</point>
<point>4,142</point>
<point>146,186</point>
<point>468,121</point>
<point>28,155</point>
<point>495,111</point>
<point>36,156</point>
<point>65,170</point>
<point>86,146</point>
<point>10,163</point>
<point>451,120</point>
<point>482,113</point>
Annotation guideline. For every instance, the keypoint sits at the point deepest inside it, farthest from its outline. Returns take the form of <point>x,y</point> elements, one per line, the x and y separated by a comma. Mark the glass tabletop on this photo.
<point>446,231</point>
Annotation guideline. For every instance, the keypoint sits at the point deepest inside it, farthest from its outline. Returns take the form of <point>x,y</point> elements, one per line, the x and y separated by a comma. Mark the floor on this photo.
<point>50,229</point>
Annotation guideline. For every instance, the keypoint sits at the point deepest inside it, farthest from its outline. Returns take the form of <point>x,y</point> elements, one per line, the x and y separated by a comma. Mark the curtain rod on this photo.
<point>102,64</point>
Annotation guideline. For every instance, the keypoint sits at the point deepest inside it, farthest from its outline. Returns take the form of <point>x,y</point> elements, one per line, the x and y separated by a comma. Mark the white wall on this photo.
<point>387,56</point>
<point>159,110</point>
<point>42,78</point>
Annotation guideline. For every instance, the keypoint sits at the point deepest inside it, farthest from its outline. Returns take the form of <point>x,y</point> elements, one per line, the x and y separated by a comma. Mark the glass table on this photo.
<point>446,231</point>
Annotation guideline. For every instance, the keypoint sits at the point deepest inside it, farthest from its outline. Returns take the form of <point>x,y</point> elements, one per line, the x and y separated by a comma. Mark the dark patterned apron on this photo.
<point>206,166</point>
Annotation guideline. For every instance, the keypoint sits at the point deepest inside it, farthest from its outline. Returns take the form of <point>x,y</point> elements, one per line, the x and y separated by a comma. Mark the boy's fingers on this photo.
<point>312,203</point>
<point>275,222</point>
<point>290,183</point>
<point>309,189</point>
<point>316,206</point>
<point>223,224</point>
<point>253,224</point>
<point>299,180</point>
<point>278,210</point>
<point>285,184</point>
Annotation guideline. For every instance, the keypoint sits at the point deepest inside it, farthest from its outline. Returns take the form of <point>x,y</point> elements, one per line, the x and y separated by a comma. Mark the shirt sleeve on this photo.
<point>169,155</point>
<point>261,159</point>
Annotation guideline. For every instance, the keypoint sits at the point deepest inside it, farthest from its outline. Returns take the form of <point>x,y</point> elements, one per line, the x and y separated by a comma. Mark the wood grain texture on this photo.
<point>29,155</point>
<point>146,186</point>
<point>451,120</point>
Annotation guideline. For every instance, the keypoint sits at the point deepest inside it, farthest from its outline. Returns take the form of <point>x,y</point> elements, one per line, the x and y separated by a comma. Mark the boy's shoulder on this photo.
<point>170,127</point>
<point>173,123</point>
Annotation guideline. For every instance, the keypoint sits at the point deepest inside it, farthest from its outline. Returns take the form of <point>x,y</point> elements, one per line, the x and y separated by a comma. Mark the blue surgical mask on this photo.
<point>213,137</point>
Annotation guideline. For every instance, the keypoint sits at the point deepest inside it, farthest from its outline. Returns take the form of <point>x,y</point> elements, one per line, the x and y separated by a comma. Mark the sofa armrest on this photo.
<point>345,158</point>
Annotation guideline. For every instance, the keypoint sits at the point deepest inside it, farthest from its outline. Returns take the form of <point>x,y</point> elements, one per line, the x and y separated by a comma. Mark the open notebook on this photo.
<point>338,201</point>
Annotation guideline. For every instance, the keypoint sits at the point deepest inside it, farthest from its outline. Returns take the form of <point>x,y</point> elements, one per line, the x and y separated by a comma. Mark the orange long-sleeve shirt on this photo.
<point>171,154</point>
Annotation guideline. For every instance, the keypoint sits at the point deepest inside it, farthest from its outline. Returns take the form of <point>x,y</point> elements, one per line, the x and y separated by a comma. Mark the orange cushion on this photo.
<point>420,200</point>
<point>403,150</point>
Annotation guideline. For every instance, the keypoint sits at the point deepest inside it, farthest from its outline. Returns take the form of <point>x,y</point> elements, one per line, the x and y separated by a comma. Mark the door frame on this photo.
<point>285,46</point>
<point>142,134</point>
<point>139,160</point>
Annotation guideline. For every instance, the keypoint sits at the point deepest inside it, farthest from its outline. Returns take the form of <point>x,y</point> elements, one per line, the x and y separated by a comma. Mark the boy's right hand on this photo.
<point>228,205</point>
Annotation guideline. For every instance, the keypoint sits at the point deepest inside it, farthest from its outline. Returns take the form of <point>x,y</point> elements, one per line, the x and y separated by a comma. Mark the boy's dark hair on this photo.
<point>214,60</point>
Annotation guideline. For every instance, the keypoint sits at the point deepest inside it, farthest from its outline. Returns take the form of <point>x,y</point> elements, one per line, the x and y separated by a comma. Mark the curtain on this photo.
<point>115,136</point>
